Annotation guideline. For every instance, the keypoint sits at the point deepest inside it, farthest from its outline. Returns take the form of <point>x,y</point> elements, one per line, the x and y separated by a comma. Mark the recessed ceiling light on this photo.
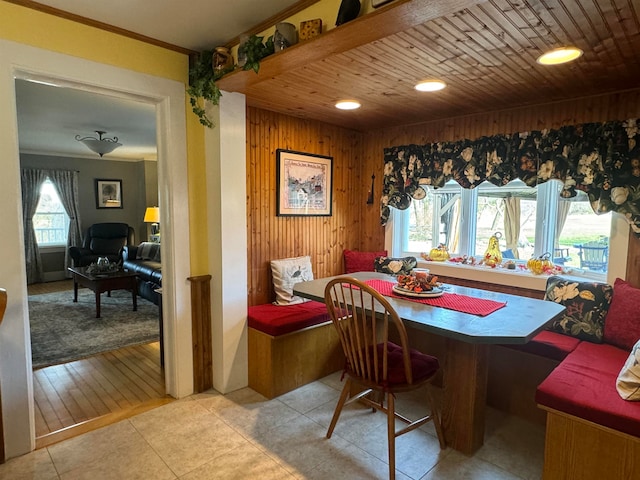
<point>348,104</point>
<point>430,86</point>
<point>559,55</point>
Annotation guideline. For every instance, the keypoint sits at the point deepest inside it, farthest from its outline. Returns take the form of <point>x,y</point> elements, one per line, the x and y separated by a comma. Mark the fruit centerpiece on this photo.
<point>418,284</point>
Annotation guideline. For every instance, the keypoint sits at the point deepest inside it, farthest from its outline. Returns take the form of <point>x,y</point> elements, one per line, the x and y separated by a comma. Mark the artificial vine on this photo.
<point>203,78</point>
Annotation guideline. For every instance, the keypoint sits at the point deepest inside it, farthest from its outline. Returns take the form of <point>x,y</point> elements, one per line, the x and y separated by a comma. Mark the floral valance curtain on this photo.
<point>601,159</point>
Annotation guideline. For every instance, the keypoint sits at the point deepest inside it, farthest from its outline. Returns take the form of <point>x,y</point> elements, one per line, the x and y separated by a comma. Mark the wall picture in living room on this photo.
<point>108,193</point>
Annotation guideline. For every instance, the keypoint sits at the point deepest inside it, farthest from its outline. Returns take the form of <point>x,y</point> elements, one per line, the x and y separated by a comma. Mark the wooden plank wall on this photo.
<point>354,224</point>
<point>323,238</point>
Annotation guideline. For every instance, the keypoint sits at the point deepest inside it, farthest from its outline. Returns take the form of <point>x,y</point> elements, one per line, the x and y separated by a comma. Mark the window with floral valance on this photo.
<point>601,159</point>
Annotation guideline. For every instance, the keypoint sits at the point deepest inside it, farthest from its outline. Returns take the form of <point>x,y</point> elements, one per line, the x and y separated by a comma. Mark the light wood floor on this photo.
<point>79,396</point>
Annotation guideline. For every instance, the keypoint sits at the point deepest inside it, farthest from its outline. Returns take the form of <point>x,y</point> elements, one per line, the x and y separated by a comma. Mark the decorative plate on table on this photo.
<point>436,292</point>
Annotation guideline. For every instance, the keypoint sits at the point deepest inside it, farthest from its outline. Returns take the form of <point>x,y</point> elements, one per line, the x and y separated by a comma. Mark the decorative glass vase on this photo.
<point>222,59</point>
<point>285,36</point>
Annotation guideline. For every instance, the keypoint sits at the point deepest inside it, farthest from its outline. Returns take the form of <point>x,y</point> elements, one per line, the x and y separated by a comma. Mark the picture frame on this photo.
<point>304,184</point>
<point>108,193</point>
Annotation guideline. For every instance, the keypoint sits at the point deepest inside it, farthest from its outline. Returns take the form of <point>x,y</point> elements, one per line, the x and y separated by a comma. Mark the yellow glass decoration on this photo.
<point>540,264</point>
<point>493,255</point>
<point>439,254</point>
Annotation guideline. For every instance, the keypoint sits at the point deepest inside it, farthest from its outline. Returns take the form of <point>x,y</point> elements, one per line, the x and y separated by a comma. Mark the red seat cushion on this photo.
<point>280,319</point>
<point>584,385</point>
<point>423,366</point>
<point>622,326</point>
<point>360,261</point>
<point>549,344</point>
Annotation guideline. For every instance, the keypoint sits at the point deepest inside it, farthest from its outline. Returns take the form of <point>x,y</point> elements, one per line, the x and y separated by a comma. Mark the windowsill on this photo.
<point>500,276</point>
<point>52,248</point>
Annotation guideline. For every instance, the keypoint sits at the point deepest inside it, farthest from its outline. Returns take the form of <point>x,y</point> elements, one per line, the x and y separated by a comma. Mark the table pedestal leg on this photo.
<point>134,293</point>
<point>75,291</point>
<point>465,394</point>
<point>97,304</point>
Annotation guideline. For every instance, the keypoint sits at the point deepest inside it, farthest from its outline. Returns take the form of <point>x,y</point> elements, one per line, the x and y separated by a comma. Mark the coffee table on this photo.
<point>104,282</point>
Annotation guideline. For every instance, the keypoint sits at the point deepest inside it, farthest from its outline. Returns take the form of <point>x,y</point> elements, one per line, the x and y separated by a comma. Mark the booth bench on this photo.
<point>290,346</point>
<point>591,432</point>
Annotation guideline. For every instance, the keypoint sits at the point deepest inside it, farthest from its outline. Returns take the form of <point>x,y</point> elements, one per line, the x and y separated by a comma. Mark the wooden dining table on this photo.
<point>467,341</point>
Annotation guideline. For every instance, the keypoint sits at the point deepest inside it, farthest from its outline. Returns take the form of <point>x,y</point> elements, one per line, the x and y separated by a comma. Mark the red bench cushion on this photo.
<point>280,319</point>
<point>584,385</point>
<point>550,344</point>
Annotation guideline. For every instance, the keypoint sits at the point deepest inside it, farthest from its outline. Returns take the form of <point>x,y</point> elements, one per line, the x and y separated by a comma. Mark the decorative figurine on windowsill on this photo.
<point>540,264</point>
<point>493,255</point>
<point>439,254</point>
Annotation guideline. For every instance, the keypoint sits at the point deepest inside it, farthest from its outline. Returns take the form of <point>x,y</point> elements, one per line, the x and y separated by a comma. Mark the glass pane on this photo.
<point>583,241</point>
<point>435,219</point>
<point>511,211</point>
<point>420,231</point>
<point>50,222</point>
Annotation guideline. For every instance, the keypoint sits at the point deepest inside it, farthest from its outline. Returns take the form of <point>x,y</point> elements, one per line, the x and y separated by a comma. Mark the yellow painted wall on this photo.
<point>30,27</point>
<point>326,10</point>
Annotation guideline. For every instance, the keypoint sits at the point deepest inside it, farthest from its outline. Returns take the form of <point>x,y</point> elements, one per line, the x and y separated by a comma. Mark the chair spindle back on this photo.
<point>362,317</point>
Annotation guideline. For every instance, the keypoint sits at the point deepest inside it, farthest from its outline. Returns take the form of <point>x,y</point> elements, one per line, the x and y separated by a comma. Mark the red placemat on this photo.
<point>451,301</point>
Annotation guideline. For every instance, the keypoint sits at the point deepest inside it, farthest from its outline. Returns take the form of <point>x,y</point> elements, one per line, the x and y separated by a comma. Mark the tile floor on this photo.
<point>244,436</point>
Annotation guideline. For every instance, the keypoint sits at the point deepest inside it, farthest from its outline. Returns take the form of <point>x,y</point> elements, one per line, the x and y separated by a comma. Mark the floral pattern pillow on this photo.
<point>395,266</point>
<point>587,304</point>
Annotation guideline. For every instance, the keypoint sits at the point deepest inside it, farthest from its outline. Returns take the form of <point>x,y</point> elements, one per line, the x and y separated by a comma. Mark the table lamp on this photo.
<point>152,216</point>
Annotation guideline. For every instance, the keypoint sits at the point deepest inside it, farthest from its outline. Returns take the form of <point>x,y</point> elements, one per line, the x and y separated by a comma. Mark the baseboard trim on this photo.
<point>54,276</point>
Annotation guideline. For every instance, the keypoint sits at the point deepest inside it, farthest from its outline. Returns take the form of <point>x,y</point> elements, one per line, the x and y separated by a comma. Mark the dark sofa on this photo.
<point>145,260</point>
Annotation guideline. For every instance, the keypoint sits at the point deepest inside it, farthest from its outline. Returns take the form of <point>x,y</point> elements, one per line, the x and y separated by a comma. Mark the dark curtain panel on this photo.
<point>601,159</point>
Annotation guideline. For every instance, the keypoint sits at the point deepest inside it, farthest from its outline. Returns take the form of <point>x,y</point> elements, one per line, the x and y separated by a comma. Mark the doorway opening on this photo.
<point>109,379</point>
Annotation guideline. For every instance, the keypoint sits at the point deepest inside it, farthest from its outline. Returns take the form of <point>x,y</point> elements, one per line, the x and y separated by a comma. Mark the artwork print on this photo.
<point>304,184</point>
<point>108,193</point>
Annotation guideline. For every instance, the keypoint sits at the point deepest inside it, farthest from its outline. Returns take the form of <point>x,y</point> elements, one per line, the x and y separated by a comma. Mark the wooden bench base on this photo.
<point>513,378</point>
<point>280,364</point>
<point>576,449</point>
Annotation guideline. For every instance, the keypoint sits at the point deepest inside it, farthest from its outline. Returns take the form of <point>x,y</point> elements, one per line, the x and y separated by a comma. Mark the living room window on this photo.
<point>50,222</point>
<point>532,220</point>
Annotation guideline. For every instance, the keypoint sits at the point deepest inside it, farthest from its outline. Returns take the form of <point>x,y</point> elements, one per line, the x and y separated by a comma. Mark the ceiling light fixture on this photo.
<point>430,86</point>
<point>100,145</point>
<point>348,104</point>
<point>559,55</point>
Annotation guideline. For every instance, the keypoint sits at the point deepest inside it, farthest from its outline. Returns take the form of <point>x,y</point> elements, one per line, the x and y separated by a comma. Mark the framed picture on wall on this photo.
<point>108,193</point>
<point>304,184</point>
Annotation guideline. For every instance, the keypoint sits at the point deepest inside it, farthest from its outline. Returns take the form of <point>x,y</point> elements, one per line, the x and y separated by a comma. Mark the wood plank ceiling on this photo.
<point>486,53</point>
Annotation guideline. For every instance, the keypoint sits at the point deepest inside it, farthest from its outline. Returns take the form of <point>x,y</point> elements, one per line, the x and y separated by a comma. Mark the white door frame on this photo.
<point>22,61</point>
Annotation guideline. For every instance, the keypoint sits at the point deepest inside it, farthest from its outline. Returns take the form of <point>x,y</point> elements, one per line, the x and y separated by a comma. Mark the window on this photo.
<point>532,221</point>
<point>50,222</point>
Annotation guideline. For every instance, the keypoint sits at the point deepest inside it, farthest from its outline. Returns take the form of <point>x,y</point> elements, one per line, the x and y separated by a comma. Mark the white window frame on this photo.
<point>52,246</point>
<point>546,211</point>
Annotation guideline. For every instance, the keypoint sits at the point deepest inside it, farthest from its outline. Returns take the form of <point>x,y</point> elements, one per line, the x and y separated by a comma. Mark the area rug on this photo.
<point>63,331</point>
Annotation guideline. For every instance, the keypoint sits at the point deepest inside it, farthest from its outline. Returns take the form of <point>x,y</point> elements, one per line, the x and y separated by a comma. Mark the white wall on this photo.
<point>169,98</point>
<point>225,146</point>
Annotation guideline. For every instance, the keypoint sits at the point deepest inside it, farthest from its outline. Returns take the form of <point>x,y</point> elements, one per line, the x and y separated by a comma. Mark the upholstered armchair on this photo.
<point>102,240</point>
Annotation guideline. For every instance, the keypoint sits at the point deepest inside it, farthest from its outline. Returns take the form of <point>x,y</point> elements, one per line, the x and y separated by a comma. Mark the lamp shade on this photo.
<point>101,145</point>
<point>152,215</point>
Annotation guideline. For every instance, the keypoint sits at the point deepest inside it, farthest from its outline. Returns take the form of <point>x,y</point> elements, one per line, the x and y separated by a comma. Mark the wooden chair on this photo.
<point>3,307</point>
<point>363,318</point>
<point>560,256</point>
<point>593,255</point>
